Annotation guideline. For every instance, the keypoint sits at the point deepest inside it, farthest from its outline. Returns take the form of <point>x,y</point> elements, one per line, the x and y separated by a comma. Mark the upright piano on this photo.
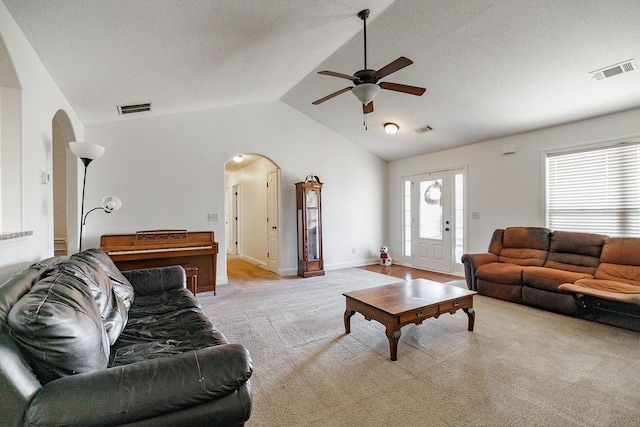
<point>159,248</point>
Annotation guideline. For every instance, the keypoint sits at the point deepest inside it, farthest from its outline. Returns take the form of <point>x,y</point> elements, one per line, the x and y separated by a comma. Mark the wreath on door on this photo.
<point>433,193</point>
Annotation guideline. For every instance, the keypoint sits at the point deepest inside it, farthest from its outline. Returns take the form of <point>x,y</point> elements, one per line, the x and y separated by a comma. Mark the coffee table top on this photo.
<point>397,298</point>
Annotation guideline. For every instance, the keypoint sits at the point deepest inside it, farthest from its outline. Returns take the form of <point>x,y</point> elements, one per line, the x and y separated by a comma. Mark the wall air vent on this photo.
<point>134,108</point>
<point>614,70</point>
<point>423,129</point>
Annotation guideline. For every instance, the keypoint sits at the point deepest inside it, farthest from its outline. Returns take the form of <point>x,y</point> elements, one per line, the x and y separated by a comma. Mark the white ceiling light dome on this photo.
<point>365,92</point>
<point>391,128</point>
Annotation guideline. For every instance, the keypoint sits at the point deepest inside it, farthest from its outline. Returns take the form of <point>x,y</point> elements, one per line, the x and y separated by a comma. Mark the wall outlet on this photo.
<point>475,215</point>
<point>353,250</point>
<point>45,178</point>
<point>213,217</point>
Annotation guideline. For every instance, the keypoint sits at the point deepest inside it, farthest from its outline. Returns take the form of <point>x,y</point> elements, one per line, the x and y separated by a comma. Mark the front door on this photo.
<point>273,186</point>
<point>432,228</point>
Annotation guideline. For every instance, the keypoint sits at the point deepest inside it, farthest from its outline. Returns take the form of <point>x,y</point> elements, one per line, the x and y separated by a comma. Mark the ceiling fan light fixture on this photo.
<point>238,158</point>
<point>365,92</point>
<point>391,128</point>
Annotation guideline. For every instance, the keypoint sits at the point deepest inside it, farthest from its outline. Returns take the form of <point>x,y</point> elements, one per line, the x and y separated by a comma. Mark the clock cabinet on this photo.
<point>309,214</point>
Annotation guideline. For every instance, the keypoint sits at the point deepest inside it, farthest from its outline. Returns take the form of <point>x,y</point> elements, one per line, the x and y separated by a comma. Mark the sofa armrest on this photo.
<point>472,262</point>
<point>150,281</point>
<point>142,390</point>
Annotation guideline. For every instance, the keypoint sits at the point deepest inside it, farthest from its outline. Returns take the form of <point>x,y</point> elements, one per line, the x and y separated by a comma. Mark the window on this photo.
<point>407,217</point>
<point>595,191</point>
<point>458,188</point>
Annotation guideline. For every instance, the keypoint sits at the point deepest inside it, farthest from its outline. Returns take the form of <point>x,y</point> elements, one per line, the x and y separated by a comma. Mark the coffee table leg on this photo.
<point>393,336</point>
<point>472,317</point>
<point>347,320</point>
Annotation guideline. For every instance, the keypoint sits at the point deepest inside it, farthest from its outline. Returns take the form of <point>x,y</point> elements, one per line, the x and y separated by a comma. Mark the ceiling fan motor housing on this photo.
<point>364,76</point>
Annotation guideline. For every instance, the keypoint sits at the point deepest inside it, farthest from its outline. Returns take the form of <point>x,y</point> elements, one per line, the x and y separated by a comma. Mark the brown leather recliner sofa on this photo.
<point>83,344</point>
<point>577,274</point>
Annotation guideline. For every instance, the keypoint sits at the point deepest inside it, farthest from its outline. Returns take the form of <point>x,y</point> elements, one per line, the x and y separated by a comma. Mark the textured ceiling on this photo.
<point>491,68</point>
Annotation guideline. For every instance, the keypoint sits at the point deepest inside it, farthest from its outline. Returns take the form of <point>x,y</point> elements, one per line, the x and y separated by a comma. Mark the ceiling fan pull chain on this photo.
<point>364,122</point>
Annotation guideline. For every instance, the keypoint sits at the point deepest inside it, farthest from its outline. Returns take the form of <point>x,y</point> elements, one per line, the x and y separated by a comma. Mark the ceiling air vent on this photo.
<point>614,70</point>
<point>423,129</point>
<point>134,108</point>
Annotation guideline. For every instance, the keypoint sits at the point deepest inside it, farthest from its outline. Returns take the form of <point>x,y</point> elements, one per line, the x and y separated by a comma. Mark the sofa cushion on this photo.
<point>112,307</point>
<point>525,245</point>
<point>499,272</point>
<point>620,261</point>
<point>578,252</point>
<point>121,286</point>
<point>59,328</point>
<point>164,324</point>
<point>549,279</point>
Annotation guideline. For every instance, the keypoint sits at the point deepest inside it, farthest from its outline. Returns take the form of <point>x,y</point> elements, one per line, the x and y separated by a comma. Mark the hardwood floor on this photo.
<point>408,273</point>
<point>241,271</point>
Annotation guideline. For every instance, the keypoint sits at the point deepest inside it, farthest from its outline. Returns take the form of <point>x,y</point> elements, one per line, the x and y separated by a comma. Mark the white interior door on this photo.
<point>432,221</point>
<point>273,186</point>
<point>234,247</point>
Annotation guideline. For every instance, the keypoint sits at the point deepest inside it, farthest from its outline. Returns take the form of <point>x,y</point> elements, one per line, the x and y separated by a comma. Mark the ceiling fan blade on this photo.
<point>411,90</point>
<point>334,74</point>
<point>392,67</point>
<point>321,100</point>
<point>366,109</point>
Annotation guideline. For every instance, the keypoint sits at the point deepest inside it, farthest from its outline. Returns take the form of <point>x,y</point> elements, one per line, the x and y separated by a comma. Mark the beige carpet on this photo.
<point>520,367</point>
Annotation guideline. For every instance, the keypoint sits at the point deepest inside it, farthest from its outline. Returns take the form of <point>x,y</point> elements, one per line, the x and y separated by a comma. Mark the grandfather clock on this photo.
<point>309,209</point>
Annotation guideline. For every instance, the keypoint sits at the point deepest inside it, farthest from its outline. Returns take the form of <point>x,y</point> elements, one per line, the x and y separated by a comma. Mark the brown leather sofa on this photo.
<point>577,274</point>
<point>83,344</point>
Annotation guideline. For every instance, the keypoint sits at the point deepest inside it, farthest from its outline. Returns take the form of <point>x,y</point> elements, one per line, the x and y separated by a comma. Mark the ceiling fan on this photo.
<point>365,82</point>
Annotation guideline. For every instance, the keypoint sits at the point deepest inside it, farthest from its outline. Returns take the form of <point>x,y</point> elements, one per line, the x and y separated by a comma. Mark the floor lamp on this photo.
<point>86,152</point>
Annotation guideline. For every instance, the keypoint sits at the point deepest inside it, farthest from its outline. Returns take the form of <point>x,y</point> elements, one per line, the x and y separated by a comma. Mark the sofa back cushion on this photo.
<point>495,245</point>
<point>112,308</point>
<point>577,252</point>
<point>620,260</point>
<point>58,326</point>
<point>120,285</point>
<point>525,245</point>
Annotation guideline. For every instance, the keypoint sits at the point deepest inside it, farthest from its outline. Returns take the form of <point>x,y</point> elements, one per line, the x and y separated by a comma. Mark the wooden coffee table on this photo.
<point>411,301</point>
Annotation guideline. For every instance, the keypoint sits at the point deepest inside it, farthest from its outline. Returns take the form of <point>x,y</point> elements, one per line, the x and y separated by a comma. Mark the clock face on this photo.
<point>312,199</point>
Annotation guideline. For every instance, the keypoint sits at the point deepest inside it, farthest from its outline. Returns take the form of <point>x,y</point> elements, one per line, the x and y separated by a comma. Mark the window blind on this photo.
<point>595,191</point>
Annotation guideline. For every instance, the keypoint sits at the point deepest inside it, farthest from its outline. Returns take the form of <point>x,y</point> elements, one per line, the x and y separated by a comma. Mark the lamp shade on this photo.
<point>365,92</point>
<point>111,204</point>
<point>86,150</point>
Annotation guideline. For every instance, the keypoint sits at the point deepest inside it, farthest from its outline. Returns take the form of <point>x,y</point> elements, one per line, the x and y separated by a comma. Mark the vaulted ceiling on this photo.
<point>491,67</point>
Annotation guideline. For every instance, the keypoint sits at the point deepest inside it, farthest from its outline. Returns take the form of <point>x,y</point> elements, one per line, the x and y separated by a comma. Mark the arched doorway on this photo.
<point>65,194</point>
<point>252,210</point>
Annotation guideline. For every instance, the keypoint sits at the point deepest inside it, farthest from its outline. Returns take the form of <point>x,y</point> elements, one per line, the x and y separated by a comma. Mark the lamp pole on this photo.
<point>85,152</point>
<point>86,162</point>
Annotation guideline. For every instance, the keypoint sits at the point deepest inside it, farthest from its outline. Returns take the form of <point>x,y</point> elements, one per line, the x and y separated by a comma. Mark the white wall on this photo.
<point>41,99</point>
<point>169,173</point>
<point>507,190</point>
